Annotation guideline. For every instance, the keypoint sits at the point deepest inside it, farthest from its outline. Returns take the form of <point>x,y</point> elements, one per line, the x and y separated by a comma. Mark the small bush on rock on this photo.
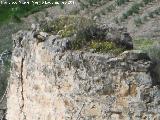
<point>85,34</point>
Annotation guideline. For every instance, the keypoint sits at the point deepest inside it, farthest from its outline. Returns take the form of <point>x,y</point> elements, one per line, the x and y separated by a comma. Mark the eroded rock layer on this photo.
<point>49,82</point>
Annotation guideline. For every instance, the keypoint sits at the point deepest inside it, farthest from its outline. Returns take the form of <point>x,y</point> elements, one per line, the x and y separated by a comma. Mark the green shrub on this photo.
<point>91,2</point>
<point>78,44</point>
<point>125,16</point>
<point>110,8</point>
<point>83,6</point>
<point>147,1</point>
<point>135,8</point>
<point>120,2</point>
<point>83,36</point>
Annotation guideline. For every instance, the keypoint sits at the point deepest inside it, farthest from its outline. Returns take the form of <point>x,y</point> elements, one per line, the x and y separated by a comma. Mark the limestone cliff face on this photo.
<point>49,82</point>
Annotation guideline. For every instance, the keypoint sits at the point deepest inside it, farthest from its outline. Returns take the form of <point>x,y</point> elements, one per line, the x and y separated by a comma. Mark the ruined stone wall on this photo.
<point>49,82</point>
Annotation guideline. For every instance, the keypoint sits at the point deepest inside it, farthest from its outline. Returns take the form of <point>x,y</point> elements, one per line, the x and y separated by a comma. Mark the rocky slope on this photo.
<point>141,19</point>
<point>51,82</point>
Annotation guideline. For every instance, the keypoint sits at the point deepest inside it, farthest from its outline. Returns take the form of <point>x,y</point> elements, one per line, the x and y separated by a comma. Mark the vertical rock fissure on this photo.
<point>22,90</point>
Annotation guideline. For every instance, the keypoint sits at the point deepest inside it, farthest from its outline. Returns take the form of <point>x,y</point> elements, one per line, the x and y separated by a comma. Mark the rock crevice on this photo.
<point>22,89</point>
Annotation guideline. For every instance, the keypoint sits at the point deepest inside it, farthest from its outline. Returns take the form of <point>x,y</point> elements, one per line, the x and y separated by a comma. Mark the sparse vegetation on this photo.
<point>135,10</point>
<point>154,51</point>
<point>138,21</point>
<point>142,44</point>
<point>151,47</point>
<point>136,7</point>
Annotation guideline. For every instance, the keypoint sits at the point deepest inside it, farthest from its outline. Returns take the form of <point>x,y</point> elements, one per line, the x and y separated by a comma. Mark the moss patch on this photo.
<point>105,47</point>
<point>102,46</point>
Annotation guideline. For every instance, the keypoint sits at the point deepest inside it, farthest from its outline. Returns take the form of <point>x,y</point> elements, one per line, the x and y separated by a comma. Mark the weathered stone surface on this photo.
<point>50,82</point>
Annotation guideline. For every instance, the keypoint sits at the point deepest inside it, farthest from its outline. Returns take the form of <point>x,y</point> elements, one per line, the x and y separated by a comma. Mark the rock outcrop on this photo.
<point>50,82</point>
